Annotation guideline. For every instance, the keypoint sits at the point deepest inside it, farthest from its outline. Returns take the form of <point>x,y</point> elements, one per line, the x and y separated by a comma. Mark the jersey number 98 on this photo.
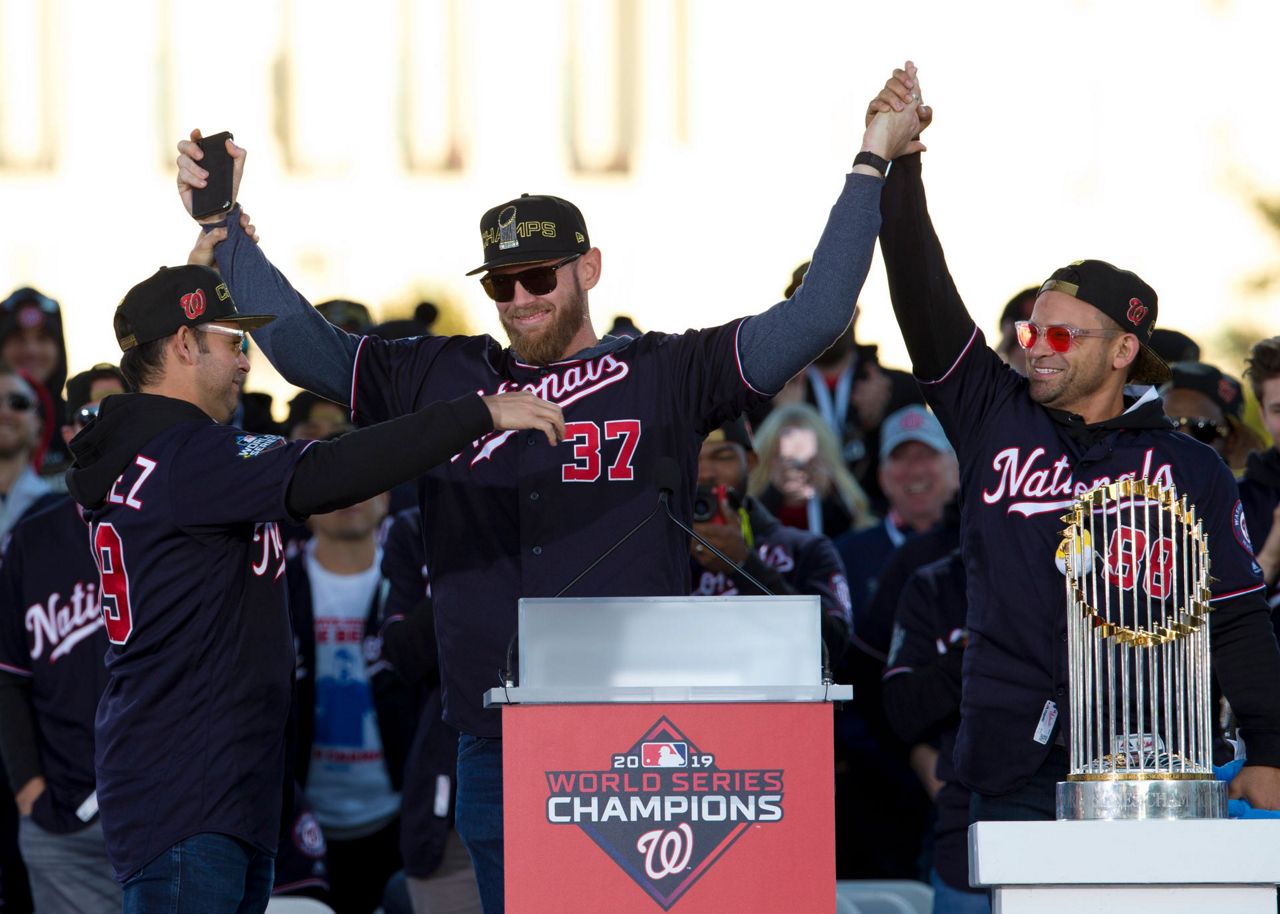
<point>108,551</point>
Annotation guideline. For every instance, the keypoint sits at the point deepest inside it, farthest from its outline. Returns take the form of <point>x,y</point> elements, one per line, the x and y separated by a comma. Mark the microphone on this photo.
<point>666,475</point>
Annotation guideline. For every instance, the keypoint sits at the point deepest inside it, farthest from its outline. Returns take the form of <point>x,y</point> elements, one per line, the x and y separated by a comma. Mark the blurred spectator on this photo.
<point>52,642</point>
<point>32,343</point>
<point>302,866</point>
<point>437,867</point>
<point>623,326</point>
<point>1174,346</point>
<point>1017,309</point>
<point>1199,400</point>
<point>853,394</point>
<point>350,758</point>
<point>784,560</point>
<point>1260,487</point>
<point>919,476</point>
<point>312,417</point>
<point>922,700</point>
<point>426,313</point>
<point>21,490</point>
<point>254,415</point>
<point>801,479</point>
<point>351,316</point>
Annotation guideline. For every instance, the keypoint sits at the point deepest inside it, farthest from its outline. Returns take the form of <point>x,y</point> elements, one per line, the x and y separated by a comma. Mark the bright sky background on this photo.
<point>1130,131</point>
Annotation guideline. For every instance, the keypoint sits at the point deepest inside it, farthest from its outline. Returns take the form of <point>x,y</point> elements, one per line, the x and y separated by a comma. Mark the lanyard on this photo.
<point>833,411</point>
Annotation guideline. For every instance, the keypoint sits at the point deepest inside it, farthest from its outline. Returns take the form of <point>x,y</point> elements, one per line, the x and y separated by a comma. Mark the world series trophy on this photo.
<point>1138,653</point>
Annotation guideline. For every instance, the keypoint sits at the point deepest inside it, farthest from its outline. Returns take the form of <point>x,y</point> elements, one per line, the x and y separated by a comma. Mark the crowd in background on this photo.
<point>843,486</point>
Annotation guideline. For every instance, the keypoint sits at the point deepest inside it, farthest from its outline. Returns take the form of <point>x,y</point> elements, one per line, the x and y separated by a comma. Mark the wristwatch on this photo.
<point>870,158</point>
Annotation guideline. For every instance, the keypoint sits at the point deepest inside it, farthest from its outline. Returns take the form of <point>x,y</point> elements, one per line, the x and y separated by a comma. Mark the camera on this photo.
<point>706,503</point>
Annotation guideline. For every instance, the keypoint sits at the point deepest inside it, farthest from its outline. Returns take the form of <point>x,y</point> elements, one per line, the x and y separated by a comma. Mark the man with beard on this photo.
<point>1085,414</point>
<point>1260,487</point>
<point>507,518</point>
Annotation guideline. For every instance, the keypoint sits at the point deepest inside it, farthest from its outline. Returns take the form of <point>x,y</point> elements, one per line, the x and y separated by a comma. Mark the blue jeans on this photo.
<point>205,874</point>
<point>947,900</point>
<point>478,814</point>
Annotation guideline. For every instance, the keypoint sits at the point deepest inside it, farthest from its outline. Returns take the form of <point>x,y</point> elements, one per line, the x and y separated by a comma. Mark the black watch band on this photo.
<point>870,158</point>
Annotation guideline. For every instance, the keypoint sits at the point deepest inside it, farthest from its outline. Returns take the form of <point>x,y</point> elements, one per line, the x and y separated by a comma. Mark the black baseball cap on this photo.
<point>1122,296</point>
<point>529,229</point>
<point>733,431</point>
<point>80,386</point>
<point>1209,380</point>
<point>177,297</point>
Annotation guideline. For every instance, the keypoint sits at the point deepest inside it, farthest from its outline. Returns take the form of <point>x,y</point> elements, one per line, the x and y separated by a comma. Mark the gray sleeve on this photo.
<point>304,347</point>
<point>776,345</point>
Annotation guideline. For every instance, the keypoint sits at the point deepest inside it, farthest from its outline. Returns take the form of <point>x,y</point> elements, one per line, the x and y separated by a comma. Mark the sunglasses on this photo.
<point>240,335</point>
<point>1058,336</point>
<point>536,280</point>
<point>1206,431</point>
<point>17,402</point>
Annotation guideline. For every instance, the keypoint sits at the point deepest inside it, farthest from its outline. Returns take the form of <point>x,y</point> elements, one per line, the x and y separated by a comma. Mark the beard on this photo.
<point>547,344</point>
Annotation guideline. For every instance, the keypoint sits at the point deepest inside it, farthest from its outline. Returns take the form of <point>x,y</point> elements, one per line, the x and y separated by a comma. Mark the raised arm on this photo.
<point>305,348</point>
<point>935,324</point>
<point>780,342</point>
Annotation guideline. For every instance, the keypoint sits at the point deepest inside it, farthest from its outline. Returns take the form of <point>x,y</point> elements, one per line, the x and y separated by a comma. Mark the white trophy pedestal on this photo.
<point>1130,867</point>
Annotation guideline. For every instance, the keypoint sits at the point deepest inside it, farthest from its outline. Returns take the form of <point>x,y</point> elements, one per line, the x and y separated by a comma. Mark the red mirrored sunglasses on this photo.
<point>1057,336</point>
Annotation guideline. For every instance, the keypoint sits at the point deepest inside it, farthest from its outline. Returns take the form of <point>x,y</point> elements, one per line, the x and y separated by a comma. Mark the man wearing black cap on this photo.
<point>182,512</point>
<point>51,677</point>
<point>1084,415</point>
<point>534,517</point>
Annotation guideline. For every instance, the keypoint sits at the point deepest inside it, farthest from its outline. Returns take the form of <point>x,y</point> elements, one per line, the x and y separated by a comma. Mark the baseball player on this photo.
<point>51,676</point>
<point>1084,415</point>
<point>505,518</point>
<point>182,511</point>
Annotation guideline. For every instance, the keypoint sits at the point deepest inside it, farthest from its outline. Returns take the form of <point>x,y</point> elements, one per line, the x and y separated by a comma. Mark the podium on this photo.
<point>1185,866</point>
<point>669,753</point>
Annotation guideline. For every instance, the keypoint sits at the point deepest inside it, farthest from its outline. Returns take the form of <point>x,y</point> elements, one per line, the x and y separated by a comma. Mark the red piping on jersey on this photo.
<point>312,883</point>
<point>895,671</point>
<point>18,671</point>
<point>1236,593</point>
<point>355,373</point>
<point>967,346</point>
<point>737,357</point>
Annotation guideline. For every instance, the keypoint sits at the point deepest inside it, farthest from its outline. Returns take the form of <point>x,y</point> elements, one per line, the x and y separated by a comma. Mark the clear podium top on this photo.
<point>646,642</point>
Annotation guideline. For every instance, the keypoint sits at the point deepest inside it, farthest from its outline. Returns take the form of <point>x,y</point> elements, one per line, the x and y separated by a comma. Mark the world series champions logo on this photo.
<point>664,810</point>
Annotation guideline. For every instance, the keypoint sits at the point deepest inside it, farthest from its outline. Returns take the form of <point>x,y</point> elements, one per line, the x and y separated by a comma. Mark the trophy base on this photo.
<point>1147,799</point>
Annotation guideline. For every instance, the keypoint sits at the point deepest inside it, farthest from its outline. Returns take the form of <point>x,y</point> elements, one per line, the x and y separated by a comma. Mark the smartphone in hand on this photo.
<point>215,196</point>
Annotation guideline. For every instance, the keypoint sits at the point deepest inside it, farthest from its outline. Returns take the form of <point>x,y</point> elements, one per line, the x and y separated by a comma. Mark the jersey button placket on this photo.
<point>537,550</point>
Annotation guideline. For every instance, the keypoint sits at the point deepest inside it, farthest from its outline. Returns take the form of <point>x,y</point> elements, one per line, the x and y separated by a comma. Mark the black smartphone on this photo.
<point>215,196</point>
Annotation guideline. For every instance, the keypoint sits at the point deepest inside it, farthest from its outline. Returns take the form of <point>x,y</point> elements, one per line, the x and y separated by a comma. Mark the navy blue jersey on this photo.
<point>511,516</point>
<point>806,561</point>
<point>51,632</point>
<point>928,630</point>
<point>1260,494</point>
<point>1021,468</point>
<point>191,728</point>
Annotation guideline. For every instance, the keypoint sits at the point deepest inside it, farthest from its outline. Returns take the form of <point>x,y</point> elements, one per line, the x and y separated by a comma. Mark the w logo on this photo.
<point>1137,311</point>
<point>193,304</point>
<point>672,850</point>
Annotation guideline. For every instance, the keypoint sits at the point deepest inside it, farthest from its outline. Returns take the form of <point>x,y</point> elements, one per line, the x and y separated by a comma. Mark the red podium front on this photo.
<point>701,808</point>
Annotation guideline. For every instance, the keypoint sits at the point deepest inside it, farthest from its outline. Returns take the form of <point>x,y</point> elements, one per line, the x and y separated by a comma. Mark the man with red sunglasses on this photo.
<point>1086,414</point>
<point>509,517</point>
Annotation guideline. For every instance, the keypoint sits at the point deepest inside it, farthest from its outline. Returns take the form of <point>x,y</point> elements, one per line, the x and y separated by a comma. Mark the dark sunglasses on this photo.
<point>1057,336</point>
<point>536,280</point>
<point>17,402</point>
<point>1206,431</point>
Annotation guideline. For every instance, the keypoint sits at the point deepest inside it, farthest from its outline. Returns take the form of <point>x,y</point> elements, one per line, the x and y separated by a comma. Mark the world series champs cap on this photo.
<point>1122,296</point>
<point>177,297</point>
<point>529,229</point>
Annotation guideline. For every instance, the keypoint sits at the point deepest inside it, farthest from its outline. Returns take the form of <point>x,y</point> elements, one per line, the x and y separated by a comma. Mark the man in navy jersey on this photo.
<point>51,676</point>
<point>1084,415</point>
<point>505,519</point>
<point>182,511</point>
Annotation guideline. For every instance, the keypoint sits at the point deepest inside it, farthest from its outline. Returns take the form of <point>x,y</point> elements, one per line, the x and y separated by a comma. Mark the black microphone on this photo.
<point>667,476</point>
